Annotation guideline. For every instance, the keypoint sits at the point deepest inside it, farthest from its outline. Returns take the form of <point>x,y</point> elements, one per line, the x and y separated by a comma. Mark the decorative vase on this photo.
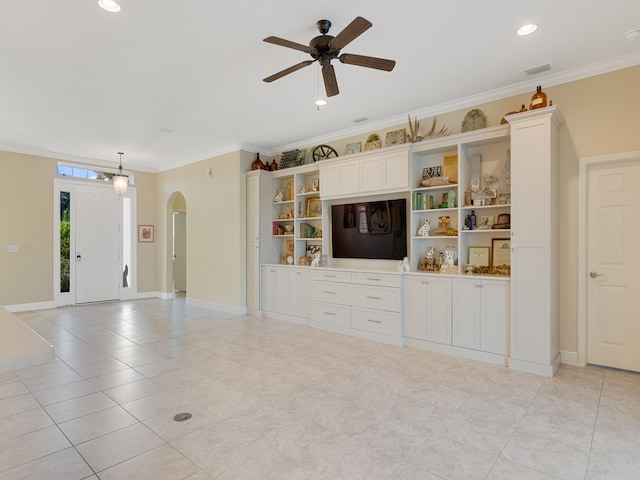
<point>257,163</point>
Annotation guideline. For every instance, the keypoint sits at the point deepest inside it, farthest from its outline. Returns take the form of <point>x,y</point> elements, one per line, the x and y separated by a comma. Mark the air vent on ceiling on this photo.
<point>360,120</point>
<point>538,69</point>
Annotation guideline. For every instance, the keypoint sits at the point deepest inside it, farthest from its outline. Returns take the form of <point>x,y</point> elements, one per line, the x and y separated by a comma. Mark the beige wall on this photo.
<point>27,277</point>
<point>26,197</point>
<point>601,115</point>
<point>216,220</point>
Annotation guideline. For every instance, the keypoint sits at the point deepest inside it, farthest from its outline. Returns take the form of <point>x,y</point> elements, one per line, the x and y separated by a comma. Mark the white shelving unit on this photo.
<point>509,320</point>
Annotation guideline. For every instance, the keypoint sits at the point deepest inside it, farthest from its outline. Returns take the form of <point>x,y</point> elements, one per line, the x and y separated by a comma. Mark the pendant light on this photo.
<point>120,180</point>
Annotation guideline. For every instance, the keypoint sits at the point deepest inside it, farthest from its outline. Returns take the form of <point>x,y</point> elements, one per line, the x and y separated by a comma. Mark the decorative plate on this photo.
<point>473,120</point>
<point>396,138</point>
<point>354,148</point>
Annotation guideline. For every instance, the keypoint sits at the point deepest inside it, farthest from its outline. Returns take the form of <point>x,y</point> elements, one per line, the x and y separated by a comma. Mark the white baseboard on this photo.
<point>570,358</point>
<point>26,307</point>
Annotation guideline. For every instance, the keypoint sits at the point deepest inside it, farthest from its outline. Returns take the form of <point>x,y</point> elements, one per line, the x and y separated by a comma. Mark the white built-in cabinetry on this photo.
<point>258,223</point>
<point>534,241</point>
<point>366,173</point>
<point>366,304</point>
<point>506,320</point>
<point>427,309</point>
<point>286,292</point>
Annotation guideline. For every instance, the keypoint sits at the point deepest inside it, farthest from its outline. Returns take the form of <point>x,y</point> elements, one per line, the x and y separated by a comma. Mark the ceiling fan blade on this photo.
<point>370,62</point>
<point>350,33</point>
<point>287,71</point>
<point>287,43</point>
<point>330,81</point>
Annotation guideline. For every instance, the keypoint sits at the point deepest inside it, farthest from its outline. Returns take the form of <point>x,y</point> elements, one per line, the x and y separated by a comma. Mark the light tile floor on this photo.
<point>275,400</point>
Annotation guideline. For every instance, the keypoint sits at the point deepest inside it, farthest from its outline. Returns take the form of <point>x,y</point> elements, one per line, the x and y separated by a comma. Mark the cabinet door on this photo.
<point>349,179</point>
<point>329,180</point>
<point>253,277</point>
<point>530,307</point>
<point>253,208</point>
<point>395,172</point>
<point>371,174</point>
<point>494,316</point>
<point>415,319</point>
<point>531,181</point>
<point>268,288</point>
<point>280,290</point>
<point>466,313</point>
<point>299,293</point>
<point>438,310</point>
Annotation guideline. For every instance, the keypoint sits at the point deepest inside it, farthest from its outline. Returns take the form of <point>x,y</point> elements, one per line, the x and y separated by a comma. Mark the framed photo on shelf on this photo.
<point>145,233</point>
<point>479,256</point>
<point>314,207</point>
<point>501,252</point>
<point>486,222</point>
<point>288,247</point>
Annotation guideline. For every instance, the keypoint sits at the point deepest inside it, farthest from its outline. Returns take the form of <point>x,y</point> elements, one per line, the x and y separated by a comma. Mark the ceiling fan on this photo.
<point>325,48</point>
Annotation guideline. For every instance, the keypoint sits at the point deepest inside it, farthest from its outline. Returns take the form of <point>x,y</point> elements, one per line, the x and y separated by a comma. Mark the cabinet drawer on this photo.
<point>381,279</point>
<point>332,292</point>
<point>331,314</point>
<point>332,276</point>
<point>382,298</point>
<point>387,323</point>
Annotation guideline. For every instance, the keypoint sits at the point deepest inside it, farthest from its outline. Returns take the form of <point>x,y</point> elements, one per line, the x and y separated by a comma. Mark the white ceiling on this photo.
<point>171,82</point>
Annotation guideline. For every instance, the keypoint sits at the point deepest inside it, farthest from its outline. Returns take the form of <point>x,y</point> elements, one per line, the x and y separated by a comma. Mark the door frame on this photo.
<point>69,184</point>
<point>584,166</point>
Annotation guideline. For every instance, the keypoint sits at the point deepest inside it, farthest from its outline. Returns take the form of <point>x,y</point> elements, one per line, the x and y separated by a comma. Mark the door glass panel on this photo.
<point>126,242</point>
<point>65,241</point>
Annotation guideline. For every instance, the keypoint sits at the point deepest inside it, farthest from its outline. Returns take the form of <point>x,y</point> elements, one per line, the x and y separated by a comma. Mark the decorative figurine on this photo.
<point>279,196</point>
<point>424,229</point>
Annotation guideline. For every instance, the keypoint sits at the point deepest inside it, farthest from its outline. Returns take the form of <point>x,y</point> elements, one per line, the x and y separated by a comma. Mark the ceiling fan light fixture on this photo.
<point>527,29</point>
<point>109,5</point>
<point>320,102</point>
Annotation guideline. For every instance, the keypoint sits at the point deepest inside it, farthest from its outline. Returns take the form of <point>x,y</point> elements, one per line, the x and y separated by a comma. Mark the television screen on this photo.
<point>374,230</point>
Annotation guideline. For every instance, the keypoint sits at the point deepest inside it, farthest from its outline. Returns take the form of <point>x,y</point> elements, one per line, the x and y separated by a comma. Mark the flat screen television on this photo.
<point>372,230</point>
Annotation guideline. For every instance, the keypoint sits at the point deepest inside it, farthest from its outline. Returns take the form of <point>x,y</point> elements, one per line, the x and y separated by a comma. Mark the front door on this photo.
<point>613,265</point>
<point>97,243</point>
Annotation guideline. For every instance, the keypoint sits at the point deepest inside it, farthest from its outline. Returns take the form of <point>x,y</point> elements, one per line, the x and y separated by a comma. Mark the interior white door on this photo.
<point>613,259</point>
<point>180,251</point>
<point>97,240</point>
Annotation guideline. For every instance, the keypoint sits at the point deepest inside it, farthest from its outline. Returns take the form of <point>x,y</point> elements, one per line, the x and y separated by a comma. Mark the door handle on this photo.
<point>595,274</point>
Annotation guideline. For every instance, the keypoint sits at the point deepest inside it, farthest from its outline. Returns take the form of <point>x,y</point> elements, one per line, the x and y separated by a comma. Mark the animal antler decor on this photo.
<point>416,137</point>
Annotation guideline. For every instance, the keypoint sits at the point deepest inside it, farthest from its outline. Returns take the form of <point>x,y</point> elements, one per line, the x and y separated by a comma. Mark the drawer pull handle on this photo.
<point>374,298</point>
<point>329,276</point>
<point>329,293</point>
<point>373,321</point>
<point>374,279</point>
<point>330,313</point>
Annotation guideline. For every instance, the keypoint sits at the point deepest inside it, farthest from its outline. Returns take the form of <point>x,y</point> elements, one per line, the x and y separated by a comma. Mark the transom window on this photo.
<point>88,172</point>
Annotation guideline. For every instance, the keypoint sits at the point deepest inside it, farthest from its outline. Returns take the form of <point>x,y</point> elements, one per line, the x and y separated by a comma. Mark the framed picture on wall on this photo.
<point>145,233</point>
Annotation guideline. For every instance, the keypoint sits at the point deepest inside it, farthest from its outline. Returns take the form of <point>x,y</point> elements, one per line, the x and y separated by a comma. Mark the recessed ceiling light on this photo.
<point>109,5</point>
<point>527,29</point>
